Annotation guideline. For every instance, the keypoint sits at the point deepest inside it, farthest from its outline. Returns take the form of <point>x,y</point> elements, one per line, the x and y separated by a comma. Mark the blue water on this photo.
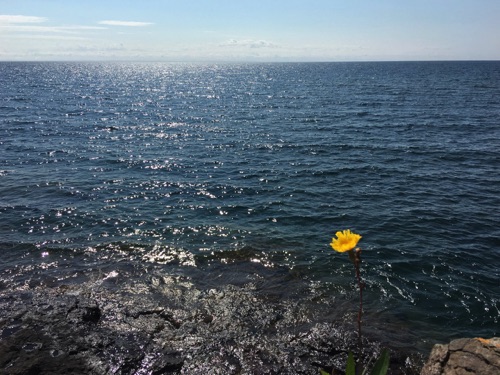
<point>190,165</point>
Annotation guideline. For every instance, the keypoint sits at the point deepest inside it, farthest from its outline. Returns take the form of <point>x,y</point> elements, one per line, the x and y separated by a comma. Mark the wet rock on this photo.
<point>466,356</point>
<point>168,325</point>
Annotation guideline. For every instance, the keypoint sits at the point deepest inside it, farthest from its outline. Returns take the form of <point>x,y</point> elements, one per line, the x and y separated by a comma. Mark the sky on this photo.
<point>249,30</point>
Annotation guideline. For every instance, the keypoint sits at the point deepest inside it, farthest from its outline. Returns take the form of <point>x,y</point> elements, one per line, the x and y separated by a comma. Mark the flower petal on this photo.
<point>345,241</point>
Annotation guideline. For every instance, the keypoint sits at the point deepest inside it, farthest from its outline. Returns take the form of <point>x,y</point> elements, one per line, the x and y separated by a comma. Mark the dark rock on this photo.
<point>167,325</point>
<point>465,356</point>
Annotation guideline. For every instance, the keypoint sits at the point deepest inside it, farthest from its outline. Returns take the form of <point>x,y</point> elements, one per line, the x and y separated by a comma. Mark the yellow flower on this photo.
<point>345,241</point>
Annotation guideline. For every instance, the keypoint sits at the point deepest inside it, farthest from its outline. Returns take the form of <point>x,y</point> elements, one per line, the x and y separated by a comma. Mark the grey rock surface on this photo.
<point>466,356</point>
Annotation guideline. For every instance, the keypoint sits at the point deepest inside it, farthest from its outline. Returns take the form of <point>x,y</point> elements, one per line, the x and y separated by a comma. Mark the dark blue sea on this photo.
<point>242,173</point>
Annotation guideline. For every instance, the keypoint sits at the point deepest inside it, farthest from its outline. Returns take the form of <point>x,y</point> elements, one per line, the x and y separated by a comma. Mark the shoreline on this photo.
<point>168,325</point>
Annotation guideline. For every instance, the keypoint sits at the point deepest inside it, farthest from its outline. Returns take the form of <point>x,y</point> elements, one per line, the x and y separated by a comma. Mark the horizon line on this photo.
<point>229,61</point>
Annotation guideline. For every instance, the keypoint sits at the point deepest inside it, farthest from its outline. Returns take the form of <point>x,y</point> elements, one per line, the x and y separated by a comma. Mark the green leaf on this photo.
<point>351,365</point>
<point>382,364</point>
<point>323,372</point>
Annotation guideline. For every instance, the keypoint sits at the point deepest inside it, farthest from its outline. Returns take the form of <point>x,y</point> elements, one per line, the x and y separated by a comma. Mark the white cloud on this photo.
<point>29,29</point>
<point>249,43</point>
<point>80,27</point>
<point>9,19</point>
<point>125,23</point>
<point>24,24</point>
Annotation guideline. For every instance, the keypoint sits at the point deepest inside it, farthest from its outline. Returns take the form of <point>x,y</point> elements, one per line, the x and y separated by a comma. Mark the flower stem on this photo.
<point>361,285</point>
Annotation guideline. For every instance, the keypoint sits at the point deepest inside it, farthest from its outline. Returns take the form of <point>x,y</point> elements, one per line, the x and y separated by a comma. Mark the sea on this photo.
<point>235,173</point>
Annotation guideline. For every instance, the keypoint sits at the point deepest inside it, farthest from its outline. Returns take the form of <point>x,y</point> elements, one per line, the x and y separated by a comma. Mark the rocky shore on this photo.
<point>167,325</point>
<point>125,317</point>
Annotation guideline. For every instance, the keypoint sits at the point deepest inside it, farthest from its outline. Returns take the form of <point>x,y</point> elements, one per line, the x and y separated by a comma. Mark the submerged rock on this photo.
<point>465,356</point>
<point>168,325</point>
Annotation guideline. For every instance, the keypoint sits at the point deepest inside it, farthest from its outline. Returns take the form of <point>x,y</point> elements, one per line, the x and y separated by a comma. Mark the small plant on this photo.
<point>346,241</point>
<point>380,367</point>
